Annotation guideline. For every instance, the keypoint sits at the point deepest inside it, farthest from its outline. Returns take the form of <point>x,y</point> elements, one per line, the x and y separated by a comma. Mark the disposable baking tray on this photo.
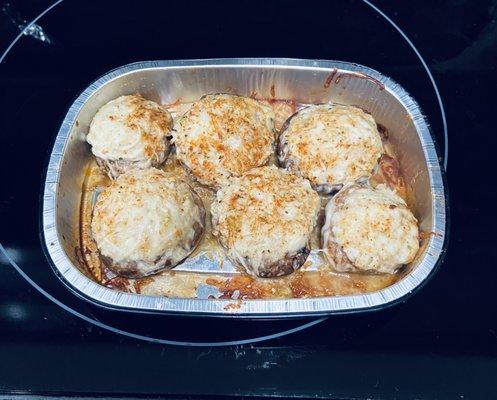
<point>304,81</point>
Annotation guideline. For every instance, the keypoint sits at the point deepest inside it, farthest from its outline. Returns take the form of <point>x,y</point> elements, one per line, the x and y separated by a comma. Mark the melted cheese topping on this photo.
<point>146,215</point>
<point>224,135</point>
<point>131,128</point>
<point>264,216</point>
<point>331,144</point>
<point>373,227</point>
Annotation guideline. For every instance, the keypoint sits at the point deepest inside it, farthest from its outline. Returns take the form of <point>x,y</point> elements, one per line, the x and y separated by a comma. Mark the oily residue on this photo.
<point>300,284</point>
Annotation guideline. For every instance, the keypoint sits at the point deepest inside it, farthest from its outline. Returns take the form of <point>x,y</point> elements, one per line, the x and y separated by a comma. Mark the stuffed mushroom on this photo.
<point>331,145</point>
<point>130,132</point>
<point>369,229</point>
<point>224,135</point>
<point>146,221</point>
<point>264,220</point>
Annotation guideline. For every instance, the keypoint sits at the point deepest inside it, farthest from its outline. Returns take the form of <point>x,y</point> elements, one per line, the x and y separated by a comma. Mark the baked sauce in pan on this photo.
<point>315,278</point>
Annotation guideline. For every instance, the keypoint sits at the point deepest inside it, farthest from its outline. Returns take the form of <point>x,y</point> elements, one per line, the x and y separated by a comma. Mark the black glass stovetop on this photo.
<point>440,344</point>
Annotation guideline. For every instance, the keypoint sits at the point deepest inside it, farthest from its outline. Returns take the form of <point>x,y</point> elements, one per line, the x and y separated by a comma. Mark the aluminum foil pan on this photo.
<point>305,81</point>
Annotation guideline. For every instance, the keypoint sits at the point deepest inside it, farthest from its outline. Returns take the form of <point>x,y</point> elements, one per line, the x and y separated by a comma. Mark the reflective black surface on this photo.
<point>442,343</point>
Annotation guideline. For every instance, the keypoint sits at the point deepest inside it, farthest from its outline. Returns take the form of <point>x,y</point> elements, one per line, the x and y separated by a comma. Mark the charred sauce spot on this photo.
<point>173,104</point>
<point>339,76</point>
<point>246,285</point>
<point>78,253</point>
<point>360,75</point>
<point>118,283</point>
<point>233,306</point>
<point>273,92</point>
<point>382,130</point>
<point>391,169</point>
<point>139,283</point>
<point>427,235</point>
<point>391,174</point>
<point>329,78</point>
